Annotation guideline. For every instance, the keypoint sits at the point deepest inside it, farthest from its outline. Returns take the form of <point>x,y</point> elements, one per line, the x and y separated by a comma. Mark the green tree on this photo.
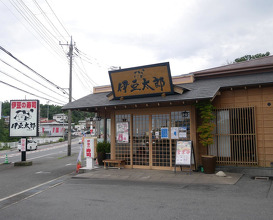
<point>251,57</point>
<point>5,108</point>
<point>4,132</point>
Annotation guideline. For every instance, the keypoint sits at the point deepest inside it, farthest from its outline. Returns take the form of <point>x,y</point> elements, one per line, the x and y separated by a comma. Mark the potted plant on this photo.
<point>205,110</point>
<point>107,150</point>
<point>102,149</point>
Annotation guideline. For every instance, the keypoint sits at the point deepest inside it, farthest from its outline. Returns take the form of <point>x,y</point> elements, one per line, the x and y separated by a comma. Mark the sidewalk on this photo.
<point>159,176</point>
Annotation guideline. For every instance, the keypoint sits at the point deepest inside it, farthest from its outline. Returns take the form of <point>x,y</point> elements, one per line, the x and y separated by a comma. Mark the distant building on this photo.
<point>60,117</point>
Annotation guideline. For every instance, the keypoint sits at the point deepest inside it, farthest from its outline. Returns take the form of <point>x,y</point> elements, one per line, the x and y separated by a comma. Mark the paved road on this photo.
<point>74,198</point>
<point>49,162</point>
<point>50,189</point>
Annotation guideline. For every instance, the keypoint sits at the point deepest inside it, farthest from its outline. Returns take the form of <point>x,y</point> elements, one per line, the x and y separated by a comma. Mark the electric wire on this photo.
<point>48,20</point>
<point>35,23</point>
<point>29,92</point>
<point>30,86</point>
<point>29,30</point>
<point>53,84</point>
<point>42,27</point>
<point>31,78</point>
<point>84,74</point>
<point>57,18</point>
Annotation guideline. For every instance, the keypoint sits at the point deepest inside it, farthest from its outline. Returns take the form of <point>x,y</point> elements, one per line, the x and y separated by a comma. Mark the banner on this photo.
<point>79,159</point>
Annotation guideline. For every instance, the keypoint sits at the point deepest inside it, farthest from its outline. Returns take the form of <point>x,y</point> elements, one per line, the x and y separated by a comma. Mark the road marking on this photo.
<point>51,183</point>
<point>42,172</point>
<point>70,164</point>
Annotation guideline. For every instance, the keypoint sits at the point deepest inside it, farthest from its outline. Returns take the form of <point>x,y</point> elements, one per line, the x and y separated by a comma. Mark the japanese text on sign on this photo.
<point>89,150</point>
<point>24,118</point>
<point>153,79</point>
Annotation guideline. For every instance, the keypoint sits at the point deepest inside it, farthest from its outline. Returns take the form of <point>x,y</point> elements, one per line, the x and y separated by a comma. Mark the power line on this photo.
<point>31,78</point>
<point>30,93</point>
<point>29,85</point>
<point>57,18</point>
<point>35,23</point>
<point>49,21</point>
<point>58,87</point>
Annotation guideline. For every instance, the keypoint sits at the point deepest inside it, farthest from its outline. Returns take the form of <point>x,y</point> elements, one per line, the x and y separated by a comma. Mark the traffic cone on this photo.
<point>6,160</point>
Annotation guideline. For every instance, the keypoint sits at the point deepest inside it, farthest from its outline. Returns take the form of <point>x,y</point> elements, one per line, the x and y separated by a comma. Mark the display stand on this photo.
<point>184,155</point>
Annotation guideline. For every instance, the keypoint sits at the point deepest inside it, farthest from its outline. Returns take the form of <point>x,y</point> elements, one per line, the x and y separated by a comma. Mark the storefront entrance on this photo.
<point>141,146</point>
<point>152,138</point>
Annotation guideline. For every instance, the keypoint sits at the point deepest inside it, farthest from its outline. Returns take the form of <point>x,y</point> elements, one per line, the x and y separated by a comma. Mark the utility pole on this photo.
<point>70,54</point>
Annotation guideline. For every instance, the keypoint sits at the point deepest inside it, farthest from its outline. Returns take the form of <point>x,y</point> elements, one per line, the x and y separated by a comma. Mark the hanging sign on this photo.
<point>122,131</point>
<point>143,80</point>
<point>24,117</point>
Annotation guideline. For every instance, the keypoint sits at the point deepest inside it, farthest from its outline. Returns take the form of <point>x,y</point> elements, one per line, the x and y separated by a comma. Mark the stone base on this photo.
<point>23,163</point>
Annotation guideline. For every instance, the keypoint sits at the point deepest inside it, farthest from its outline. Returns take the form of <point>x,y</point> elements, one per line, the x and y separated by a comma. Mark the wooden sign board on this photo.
<point>143,80</point>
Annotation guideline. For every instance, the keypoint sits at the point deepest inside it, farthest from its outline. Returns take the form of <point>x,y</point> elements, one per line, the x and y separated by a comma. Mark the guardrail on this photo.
<point>38,140</point>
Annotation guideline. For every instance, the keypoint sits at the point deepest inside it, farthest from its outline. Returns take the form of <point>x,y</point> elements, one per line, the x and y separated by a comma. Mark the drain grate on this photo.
<point>261,178</point>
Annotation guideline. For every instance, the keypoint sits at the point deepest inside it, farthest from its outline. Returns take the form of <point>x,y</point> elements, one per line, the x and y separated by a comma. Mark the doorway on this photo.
<point>141,140</point>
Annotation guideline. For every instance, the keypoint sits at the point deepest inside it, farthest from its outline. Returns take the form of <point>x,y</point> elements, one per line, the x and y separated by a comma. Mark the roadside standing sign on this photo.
<point>184,154</point>
<point>89,151</point>
<point>24,120</point>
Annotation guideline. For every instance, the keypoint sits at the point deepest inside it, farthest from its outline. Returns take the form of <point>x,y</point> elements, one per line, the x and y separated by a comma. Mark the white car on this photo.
<point>31,145</point>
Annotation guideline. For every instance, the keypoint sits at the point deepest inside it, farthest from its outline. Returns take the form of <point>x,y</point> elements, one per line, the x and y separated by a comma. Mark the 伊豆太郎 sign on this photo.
<point>24,116</point>
<point>144,80</point>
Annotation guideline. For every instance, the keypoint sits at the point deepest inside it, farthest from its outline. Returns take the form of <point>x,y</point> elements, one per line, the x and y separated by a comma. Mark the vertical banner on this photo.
<point>79,159</point>
<point>23,144</point>
<point>122,131</point>
<point>24,118</point>
<point>89,147</point>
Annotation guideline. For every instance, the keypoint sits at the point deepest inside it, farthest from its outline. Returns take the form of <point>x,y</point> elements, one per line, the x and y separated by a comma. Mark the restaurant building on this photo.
<point>149,111</point>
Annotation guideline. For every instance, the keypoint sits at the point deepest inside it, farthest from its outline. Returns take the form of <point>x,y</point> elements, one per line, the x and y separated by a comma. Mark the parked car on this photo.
<point>31,145</point>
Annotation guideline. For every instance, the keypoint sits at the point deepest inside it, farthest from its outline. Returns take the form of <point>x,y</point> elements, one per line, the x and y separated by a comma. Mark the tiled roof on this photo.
<point>251,65</point>
<point>200,89</point>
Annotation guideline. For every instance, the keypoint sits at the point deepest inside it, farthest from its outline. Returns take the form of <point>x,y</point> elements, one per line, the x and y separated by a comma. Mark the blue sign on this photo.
<point>164,133</point>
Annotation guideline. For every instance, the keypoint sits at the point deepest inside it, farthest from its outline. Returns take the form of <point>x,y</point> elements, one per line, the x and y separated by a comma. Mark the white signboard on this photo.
<point>183,153</point>
<point>89,147</point>
<point>174,132</point>
<point>23,144</point>
<point>24,116</point>
<point>122,132</point>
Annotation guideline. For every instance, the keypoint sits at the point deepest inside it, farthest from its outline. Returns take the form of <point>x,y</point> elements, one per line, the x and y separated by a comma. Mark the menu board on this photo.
<point>184,153</point>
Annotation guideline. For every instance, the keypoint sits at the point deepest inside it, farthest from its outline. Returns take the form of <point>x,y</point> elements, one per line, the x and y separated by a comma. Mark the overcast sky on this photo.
<point>190,34</point>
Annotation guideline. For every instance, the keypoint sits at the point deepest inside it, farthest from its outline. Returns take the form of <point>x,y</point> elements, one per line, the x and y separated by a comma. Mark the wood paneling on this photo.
<point>258,98</point>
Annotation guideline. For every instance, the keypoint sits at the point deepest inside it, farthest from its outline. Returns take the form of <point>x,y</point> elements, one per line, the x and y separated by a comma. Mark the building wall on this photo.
<point>262,99</point>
